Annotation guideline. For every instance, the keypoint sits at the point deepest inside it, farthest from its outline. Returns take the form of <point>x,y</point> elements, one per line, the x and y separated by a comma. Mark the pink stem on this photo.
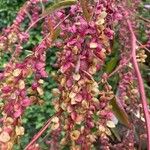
<point>119,67</point>
<point>38,135</point>
<point>141,84</point>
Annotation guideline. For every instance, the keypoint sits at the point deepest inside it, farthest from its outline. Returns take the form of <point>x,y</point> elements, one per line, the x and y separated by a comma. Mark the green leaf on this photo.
<point>59,5</point>
<point>116,133</point>
<point>111,65</point>
<point>120,113</point>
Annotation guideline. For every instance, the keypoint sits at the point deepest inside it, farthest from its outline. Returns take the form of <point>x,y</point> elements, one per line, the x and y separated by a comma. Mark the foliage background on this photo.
<point>35,116</point>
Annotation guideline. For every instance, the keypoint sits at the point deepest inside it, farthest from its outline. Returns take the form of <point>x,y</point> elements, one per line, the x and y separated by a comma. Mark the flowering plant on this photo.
<point>90,113</point>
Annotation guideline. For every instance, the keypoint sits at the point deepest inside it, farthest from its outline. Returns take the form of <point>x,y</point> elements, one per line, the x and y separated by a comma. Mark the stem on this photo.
<point>27,30</point>
<point>119,67</point>
<point>144,19</point>
<point>84,5</point>
<point>38,135</point>
<point>141,83</point>
<point>143,46</point>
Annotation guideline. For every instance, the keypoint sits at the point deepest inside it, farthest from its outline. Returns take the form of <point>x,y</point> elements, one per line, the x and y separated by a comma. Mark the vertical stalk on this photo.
<point>84,5</point>
<point>140,83</point>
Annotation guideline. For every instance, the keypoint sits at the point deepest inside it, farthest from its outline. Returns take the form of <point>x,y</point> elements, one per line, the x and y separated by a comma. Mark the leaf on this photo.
<point>120,113</point>
<point>59,5</point>
<point>116,134</point>
<point>84,5</point>
<point>111,65</point>
<point>55,34</point>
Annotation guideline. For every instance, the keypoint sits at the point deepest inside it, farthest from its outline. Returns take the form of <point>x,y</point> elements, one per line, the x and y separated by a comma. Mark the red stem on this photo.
<point>141,84</point>
<point>38,135</point>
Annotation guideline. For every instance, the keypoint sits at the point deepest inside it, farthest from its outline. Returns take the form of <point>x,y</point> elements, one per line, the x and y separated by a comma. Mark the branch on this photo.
<point>140,83</point>
<point>120,67</point>
<point>38,135</point>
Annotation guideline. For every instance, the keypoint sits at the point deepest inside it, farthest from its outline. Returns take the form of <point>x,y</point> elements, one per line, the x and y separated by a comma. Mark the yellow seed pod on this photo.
<point>63,106</point>
<point>76,147</point>
<point>110,124</point>
<point>95,91</point>
<point>100,21</point>
<point>55,126</point>
<point>57,107</point>
<point>108,132</point>
<point>85,104</point>
<point>9,120</point>
<point>75,50</point>
<point>13,96</point>
<point>16,72</point>
<point>76,77</point>
<point>92,70</point>
<point>4,137</point>
<point>81,82</point>
<point>41,81</point>
<point>76,89</point>
<point>91,137</point>
<point>55,120</point>
<point>93,45</point>
<point>40,91</point>
<point>63,141</point>
<point>19,130</point>
<point>72,95</point>
<point>73,101</point>
<point>101,128</point>
<point>10,145</point>
<point>55,92</point>
<point>63,81</point>
<point>74,135</point>
<point>103,14</point>
<point>21,84</point>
